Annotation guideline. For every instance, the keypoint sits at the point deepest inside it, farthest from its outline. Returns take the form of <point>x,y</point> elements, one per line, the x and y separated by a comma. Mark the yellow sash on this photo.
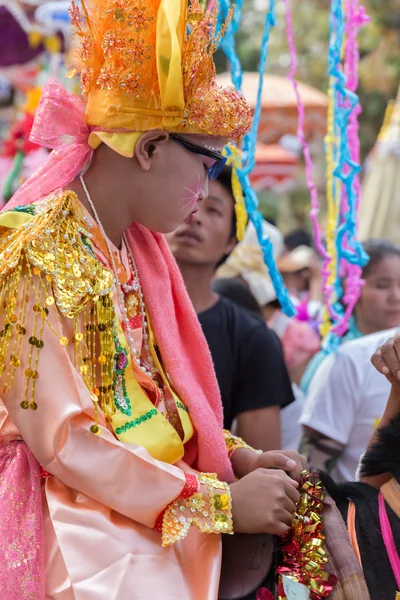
<point>146,426</point>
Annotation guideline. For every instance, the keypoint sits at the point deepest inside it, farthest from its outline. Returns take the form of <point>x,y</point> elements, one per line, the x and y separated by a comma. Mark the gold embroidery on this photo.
<point>210,510</point>
<point>233,443</point>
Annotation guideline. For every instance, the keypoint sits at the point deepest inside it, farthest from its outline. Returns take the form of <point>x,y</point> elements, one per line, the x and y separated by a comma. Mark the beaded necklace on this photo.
<point>148,366</point>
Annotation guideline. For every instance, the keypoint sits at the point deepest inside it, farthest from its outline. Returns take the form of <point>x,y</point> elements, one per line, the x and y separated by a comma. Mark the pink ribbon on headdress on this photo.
<point>60,125</point>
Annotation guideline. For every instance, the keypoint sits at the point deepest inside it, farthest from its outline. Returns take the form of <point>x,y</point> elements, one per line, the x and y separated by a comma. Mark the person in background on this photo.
<point>301,271</point>
<point>237,291</point>
<point>343,407</point>
<point>299,341</point>
<point>379,305</point>
<point>296,238</point>
<point>248,360</point>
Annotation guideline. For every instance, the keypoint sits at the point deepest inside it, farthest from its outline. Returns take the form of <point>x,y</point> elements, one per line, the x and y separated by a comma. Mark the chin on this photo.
<point>165,228</point>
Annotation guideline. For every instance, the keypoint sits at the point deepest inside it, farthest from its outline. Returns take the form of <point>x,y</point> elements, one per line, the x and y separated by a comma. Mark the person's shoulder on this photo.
<point>239,316</point>
<point>366,345</point>
<point>50,239</point>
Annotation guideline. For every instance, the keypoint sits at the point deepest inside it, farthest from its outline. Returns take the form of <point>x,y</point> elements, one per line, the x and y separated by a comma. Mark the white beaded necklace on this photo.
<point>152,372</point>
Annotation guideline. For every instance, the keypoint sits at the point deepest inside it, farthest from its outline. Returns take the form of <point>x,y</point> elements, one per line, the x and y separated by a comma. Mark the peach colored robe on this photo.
<point>101,506</point>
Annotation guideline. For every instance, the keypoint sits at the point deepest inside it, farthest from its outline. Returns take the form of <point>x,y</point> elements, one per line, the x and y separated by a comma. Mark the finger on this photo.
<point>277,460</point>
<point>286,516</point>
<point>281,474</point>
<point>288,506</point>
<point>396,344</point>
<point>301,465</point>
<point>379,363</point>
<point>281,529</point>
<point>292,493</point>
<point>390,357</point>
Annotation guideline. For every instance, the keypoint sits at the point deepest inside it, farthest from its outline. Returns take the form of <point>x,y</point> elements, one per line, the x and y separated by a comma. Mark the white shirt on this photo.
<point>347,398</point>
<point>291,430</point>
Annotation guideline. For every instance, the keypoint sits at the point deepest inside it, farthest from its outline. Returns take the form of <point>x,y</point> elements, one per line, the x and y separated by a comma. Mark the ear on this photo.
<point>148,146</point>
<point>230,245</point>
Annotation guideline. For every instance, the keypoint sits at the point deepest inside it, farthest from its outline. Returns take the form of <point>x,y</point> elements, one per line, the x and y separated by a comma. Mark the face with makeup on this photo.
<point>172,178</point>
<point>211,234</point>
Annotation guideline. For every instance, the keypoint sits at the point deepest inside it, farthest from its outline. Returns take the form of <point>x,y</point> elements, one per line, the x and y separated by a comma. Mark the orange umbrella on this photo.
<point>275,167</point>
<point>279,106</point>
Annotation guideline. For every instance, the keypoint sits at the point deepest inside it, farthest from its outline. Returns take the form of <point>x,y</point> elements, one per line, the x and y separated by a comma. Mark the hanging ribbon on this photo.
<point>228,46</point>
<point>344,255</point>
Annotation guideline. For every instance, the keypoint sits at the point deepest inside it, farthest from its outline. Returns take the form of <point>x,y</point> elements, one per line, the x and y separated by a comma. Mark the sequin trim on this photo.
<point>145,417</point>
<point>191,487</point>
<point>209,510</point>
<point>27,208</point>
<point>233,443</point>
<point>121,397</point>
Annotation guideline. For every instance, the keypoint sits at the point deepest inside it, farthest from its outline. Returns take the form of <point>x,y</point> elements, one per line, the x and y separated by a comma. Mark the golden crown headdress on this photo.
<point>148,64</point>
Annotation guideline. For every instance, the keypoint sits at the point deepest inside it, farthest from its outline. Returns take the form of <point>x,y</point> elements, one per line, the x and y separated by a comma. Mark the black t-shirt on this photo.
<point>248,360</point>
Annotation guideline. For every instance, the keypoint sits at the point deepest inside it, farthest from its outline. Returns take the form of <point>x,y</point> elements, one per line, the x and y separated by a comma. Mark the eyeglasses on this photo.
<point>217,160</point>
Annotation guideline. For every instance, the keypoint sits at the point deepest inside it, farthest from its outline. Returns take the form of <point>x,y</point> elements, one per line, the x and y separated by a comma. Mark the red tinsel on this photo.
<point>304,555</point>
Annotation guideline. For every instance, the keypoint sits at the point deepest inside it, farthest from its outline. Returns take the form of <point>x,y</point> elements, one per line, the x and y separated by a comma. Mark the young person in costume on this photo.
<point>116,478</point>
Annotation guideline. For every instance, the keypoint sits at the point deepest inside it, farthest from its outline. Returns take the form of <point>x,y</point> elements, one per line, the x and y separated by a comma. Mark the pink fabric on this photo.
<point>21,524</point>
<point>60,125</point>
<point>387,535</point>
<point>300,343</point>
<point>183,347</point>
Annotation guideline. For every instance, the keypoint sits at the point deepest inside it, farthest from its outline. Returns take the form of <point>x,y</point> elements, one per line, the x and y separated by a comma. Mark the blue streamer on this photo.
<point>228,46</point>
<point>228,43</point>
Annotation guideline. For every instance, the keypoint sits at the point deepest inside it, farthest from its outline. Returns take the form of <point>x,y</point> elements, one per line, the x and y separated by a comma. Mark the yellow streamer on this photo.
<point>332,204</point>
<point>235,161</point>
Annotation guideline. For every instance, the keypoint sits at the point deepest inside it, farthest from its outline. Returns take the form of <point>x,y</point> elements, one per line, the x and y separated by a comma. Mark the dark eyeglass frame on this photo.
<point>220,159</point>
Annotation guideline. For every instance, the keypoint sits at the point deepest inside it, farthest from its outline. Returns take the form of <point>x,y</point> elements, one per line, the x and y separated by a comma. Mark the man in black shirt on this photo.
<point>248,359</point>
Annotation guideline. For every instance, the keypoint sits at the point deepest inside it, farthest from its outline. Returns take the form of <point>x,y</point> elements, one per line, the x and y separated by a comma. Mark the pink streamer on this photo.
<point>210,5</point>
<point>21,524</point>
<point>315,206</point>
<point>355,19</point>
<point>388,539</point>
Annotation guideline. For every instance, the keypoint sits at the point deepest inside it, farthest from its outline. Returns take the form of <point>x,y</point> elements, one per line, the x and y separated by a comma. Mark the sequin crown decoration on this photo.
<point>148,64</point>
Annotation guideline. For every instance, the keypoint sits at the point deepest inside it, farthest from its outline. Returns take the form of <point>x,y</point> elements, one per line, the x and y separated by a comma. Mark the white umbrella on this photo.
<point>379,214</point>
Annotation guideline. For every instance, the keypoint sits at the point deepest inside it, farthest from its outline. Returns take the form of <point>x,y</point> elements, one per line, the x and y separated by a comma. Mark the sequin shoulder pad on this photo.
<point>54,237</point>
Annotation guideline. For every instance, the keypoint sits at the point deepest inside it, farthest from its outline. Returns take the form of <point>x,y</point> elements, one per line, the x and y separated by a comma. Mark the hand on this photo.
<point>315,269</point>
<point>264,502</point>
<point>245,461</point>
<point>287,460</point>
<point>386,360</point>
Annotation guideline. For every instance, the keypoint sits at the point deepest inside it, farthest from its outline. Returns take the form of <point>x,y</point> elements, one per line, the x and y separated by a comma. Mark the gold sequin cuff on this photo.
<point>210,510</point>
<point>234,443</point>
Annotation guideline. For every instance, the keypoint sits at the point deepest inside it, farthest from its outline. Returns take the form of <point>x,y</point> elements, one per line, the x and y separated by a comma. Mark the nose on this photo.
<point>395,295</point>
